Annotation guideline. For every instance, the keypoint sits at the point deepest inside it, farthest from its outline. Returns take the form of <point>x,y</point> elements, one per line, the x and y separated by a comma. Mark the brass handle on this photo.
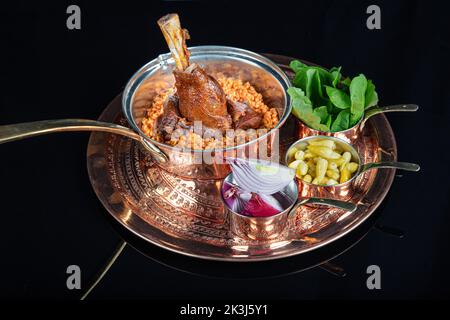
<point>13,132</point>
<point>347,206</point>
<point>407,166</point>
<point>395,108</point>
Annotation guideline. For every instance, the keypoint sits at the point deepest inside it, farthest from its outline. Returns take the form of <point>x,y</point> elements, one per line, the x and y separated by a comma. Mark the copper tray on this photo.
<point>187,216</point>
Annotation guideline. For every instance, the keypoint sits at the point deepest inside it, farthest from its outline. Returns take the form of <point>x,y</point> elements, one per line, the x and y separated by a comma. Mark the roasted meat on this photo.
<point>243,116</point>
<point>170,119</point>
<point>200,97</point>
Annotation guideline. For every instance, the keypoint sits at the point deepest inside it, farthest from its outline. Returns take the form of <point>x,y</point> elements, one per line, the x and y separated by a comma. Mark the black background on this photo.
<point>50,217</point>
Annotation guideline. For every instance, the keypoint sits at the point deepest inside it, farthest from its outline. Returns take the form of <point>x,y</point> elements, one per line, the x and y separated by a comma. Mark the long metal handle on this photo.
<point>395,108</point>
<point>13,132</point>
<point>391,164</point>
<point>347,206</point>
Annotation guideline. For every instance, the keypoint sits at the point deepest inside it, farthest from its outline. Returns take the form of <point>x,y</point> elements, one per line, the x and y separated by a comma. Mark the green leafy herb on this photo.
<point>327,101</point>
<point>358,89</point>
<point>322,113</point>
<point>346,82</point>
<point>336,73</point>
<point>338,98</point>
<point>297,65</point>
<point>302,109</point>
<point>342,121</point>
<point>329,120</point>
<point>371,98</point>
<point>314,87</point>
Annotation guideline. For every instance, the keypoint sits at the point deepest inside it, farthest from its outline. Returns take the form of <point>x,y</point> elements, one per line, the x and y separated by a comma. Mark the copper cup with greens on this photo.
<point>329,104</point>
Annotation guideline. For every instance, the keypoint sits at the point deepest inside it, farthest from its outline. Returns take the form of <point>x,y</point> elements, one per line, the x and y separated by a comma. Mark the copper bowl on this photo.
<point>274,227</point>
<point>345,189</point>
<point>267,78</point>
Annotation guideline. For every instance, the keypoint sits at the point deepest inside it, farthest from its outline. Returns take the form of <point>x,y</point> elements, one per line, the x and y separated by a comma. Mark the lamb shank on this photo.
<point>198,96</point>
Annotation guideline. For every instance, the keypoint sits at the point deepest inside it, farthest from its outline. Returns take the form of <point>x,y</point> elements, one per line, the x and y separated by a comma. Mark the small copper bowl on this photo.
<point>341,190</point>
<point>351,135</point>
<point>274,227</point>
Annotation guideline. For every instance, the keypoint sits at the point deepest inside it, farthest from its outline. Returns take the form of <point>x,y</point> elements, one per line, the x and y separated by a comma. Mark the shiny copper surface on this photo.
<point>275,227</point>
<point>259,229</point>
<point>350,135</point>
<point>355,187</point>
<point>187,216</point>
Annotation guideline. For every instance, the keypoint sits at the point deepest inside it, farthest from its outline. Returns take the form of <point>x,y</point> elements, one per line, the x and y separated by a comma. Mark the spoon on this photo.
<point>13,132</point>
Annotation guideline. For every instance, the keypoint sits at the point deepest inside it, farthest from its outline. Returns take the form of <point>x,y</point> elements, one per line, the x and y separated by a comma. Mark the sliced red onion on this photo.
<point>259,176</point>
<point>272,201</point>
<point>253,204</point>
<point>257,207</point>
<point>255,187</point>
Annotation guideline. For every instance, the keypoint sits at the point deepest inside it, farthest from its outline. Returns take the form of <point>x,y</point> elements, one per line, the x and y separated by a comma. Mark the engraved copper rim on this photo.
<point>188,217</point>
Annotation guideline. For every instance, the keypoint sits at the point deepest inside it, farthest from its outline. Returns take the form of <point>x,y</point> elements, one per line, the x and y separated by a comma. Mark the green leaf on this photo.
<point>358,88</point>
<point>371,97</point>
<point>322,113</point>
<point>346,82</point>
<point>342,121</point>
<point>297,93</point>
<point>301,105</point>
<point>310,74</point>
<point>335,69</point>
<point>297,65</point>
<point>302,109</point>
<point>300,69</point>
<point>328,121</point>
<point>336,73</point>
<point>338,98</point>
<point>300,79</point>
<point>326,76</point>
<point>314,89</point>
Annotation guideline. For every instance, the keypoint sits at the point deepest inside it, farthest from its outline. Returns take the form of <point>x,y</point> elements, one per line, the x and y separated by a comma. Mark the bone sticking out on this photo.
<point>176,39</point>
